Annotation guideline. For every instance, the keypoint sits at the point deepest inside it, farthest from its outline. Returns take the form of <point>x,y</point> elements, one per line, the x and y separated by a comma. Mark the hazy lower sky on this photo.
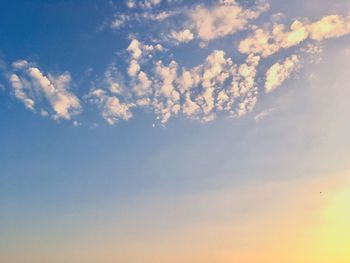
<point>173,131</point>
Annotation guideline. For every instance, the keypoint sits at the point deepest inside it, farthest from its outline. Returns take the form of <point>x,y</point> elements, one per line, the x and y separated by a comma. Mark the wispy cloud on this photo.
<point>262,115</point>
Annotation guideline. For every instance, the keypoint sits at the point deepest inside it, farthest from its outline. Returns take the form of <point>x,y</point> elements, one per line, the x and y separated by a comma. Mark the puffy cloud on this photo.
<point>217,70</point>
<point>225,18</point>
<point>29,84</point>
<point>190,108</point>
<point>142,85</point>
<point>244,88</point>
<point>55,89</point>
<point>330,27</point>
<point>111,106</point>
<point>167,97</point>
<point>216,86</point>
<point>280,71</point>
<point>134,68</point>
<point>139,79</point>
<point>182,36</point>
<point>135,49</point>
<point>202,92</point>
<point>189,78</point>
<point>139,50</point>
<point>268,42</point>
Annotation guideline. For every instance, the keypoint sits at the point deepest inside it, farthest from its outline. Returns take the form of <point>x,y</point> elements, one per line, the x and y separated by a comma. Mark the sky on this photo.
<point>168,131</point>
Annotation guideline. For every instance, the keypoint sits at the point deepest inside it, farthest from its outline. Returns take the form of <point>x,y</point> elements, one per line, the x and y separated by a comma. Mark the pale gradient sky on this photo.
<point>97,166</point>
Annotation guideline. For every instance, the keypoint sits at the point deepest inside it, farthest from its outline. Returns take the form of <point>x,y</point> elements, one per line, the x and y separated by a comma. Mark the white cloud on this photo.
<point>267,42</point>
<point>217,70</point>
<point>225,18</point>
<point>143,85</point>
<point>330,27</point>
<point>281,71</point>
<point>244,88</point>
<point>29,84</point>
<point>20,92</point>
<point>157,16</point>
<point>134,68</point>
<point>111,106</point>
<point>135,49</point>
<point>202,92</point>
<point>55,89</point>
<point>182,36</point>
<point>158,82</point>
<point>113,79</point>
<point>167,96</point>
<point>20,64</point>
<point>120,20</point>
<point>146,4</point>
<point>139,79</point>
<point>190,108</point>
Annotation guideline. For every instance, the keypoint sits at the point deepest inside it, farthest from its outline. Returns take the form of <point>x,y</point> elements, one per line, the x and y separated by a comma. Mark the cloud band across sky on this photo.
<point>224,84</point>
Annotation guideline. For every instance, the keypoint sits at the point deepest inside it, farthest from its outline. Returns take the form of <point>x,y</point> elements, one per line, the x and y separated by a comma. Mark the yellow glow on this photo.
<point>336,232</point>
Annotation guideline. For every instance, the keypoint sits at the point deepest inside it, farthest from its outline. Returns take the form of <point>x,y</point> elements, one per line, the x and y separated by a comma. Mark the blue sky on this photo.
<point>173,131</point>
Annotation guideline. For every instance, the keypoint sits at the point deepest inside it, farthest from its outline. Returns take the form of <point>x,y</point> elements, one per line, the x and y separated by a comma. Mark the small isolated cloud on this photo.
<point>30,85</point>
<point>281,71</point>
<point>76,124</point>
<point>182,36</point>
